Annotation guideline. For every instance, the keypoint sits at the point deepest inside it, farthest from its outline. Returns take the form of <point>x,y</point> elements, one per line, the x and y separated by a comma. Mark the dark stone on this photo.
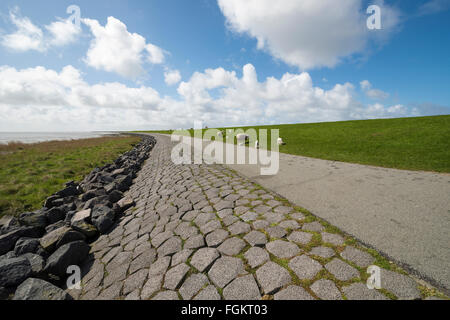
<point>55,214</point>
<point>3,293</point>
<point>37,289</point>
<point>55,226</point>
<point>103,218</point>
<point>110,187</point>
<point>68,191</point>
<point>125,203</point>
<point>58,202</point>
<point>69,216</point>
<point>50,200</point>
<point>34,219</point>
<point>8,224</point>
<point>37,263</point>
<point>70,236</point>
<point>104,178</point>
<point>102,200</point>
<point>121,171</point>
<point>85,228</point>
<point>69,254</point>
<point>93,194</point>
<point>115,196</point>
<point>14,271</point>
<point>8,241</point>
<point>8,255</point>
<point>26,245</point>
<point>124,182</point>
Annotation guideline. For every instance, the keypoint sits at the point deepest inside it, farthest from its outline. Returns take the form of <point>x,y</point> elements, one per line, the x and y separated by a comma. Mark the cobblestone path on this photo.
<point>203,232</point>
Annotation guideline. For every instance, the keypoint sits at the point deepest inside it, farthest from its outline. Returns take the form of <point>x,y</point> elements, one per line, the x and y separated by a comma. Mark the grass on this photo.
<point>29,173</point>
<point>421,143</point>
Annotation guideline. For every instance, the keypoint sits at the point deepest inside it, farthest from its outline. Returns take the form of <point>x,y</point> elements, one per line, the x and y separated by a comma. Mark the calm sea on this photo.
<point>33,137</point>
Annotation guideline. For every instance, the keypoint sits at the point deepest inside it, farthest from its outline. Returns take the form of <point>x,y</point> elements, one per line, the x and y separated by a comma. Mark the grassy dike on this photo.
<point>421,143</point>
<point>29,173</point>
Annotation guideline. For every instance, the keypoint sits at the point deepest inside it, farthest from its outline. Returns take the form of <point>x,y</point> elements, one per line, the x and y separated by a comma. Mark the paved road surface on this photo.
<point>205,232</point>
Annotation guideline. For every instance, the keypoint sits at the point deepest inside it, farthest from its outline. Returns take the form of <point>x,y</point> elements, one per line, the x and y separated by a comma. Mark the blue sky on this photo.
<point>343,70</point>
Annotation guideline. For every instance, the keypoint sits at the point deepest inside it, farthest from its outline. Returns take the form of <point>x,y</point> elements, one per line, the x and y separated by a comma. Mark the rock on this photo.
<point>69,254</point>
<point>3,293</point>
<point>49,203</point>
<point>37,289</point>
<point>8,255</point>
<point>37,264</point>
<point>103,218</point>
<point>8,240</point>
<point>55,226</point>
<point>110,187</point>
<point>125,203</point>
<point>26,245</point>
<point>93,194</point>
<point>79,223</point>
<point>124,182</point>
<point>102,200</point>
<point>8,223</point>
<point>34,219</point>
<point>49,241</point>
<point>84,215</point>
<point>115,196</point>
<point>117,172</point>
<point>13,271</point>
<point>68,191</point>
<point>55,214</point>
<point>70,236</point>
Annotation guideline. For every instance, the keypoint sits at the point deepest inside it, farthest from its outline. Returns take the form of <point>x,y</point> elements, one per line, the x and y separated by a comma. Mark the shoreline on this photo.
<point>29,138</point>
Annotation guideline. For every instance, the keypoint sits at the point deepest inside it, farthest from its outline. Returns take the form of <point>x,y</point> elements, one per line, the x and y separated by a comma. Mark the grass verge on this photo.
<point>29,173</point>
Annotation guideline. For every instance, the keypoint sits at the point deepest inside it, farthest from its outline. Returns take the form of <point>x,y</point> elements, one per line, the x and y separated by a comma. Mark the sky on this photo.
<point>147,65</point>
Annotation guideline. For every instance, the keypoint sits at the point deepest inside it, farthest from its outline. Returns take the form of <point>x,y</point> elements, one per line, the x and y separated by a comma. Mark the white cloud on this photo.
<point>27,36</point>
<point>307,33</point>
<point>172,77</point>
<point>433,6</point>
<point>63,32</point>
<point>44,99</point>
<point>115,49</point>
<point>375,94</point>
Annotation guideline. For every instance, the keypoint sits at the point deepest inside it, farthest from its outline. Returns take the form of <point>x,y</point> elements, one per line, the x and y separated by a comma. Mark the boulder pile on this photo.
<point>37,247</point>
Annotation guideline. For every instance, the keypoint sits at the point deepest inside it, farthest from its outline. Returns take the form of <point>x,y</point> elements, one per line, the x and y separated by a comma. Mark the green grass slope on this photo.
<point>31,173</point>
<point>421,143</point>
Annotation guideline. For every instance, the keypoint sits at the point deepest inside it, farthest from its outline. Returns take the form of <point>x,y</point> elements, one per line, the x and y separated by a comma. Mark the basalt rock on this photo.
<point>26,245</point>
<point>103,218</point>
<point>69,219</point>
<point>13,271</point>
<point>55,214</point>
<point>34,219</point>
<point>37,289</point>
<point>69,254</point>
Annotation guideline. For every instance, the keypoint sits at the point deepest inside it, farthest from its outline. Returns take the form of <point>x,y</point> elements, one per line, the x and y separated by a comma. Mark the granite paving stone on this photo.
<point>203,258</point>
<point>203,232</point>
<point>242,288</point>
<point>225,270</point>
<point>305,267</point>
<point>293,293</point>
